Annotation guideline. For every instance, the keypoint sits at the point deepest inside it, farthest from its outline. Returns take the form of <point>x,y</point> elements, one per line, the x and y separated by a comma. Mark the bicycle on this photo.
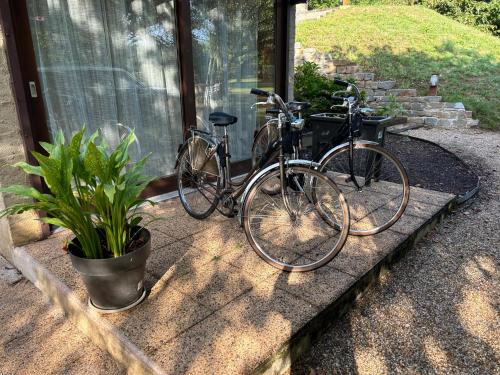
<point>300,227</point>
<point>372,178</point>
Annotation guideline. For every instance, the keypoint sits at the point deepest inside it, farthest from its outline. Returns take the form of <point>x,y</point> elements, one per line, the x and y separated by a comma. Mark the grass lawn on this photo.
<point>408,44</point>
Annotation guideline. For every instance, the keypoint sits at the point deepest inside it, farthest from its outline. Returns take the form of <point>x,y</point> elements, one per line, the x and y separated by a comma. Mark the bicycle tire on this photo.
<point>206,179</point>
<point>264,137</point>
<point>384,200</point>
<point>323,241</point>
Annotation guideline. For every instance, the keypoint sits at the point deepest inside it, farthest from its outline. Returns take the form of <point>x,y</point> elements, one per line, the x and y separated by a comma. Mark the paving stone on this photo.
<point>420,209</point>
<point>177,258</point>
<point>62,268</point>
<point>435,198</point>
<point>362,253</point>
<point>181,226</point>
<point>318,287</point>
<point>51,248</point>
<point>407,224</point>
<point>239,337</point>
<point>219,238</point>
<point>162,316</point>
<point>214,284</point>
<point>248,261</point>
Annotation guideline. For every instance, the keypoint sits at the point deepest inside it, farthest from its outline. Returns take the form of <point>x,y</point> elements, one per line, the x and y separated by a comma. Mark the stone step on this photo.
<point>442,122</point>
<point>359,76</point>
<point>412,99</point>
<point>468,114</point>
<point>442,114</point>
<point>471,123</point>
<point>402,92</point>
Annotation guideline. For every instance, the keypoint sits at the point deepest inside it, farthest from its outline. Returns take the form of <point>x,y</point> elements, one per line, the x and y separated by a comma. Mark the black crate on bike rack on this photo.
<point>373,128</point>
<point>331,129</point>
<point>326,129</point>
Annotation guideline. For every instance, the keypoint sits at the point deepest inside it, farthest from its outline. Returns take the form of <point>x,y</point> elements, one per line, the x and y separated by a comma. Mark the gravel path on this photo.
<point>438,310</point>
<point>37,339</point>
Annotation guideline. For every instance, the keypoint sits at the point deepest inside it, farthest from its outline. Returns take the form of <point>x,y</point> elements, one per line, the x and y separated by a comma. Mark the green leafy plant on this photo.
<point>313,87</point>
<point>94,192</point>
<point>392,108</point>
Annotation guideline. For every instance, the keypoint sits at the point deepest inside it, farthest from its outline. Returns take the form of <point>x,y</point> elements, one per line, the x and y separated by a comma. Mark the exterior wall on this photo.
<point>22,228</point>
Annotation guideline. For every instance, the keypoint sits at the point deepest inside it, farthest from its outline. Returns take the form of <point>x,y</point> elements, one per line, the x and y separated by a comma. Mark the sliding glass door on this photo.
<point>233,51</point>
<point>111,65</point>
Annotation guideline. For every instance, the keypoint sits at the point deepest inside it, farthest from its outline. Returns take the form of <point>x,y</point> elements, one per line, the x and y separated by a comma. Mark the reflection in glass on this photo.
<point>233,51</point>
<point>104,62</point>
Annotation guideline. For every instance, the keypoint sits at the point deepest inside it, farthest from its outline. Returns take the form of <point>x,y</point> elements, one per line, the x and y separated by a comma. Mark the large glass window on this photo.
<point>111,64</point>
<point>233,51</point>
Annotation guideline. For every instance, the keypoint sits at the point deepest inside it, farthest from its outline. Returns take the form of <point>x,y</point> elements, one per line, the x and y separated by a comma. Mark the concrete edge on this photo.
<point>302,341</point>
<point>88,322</point>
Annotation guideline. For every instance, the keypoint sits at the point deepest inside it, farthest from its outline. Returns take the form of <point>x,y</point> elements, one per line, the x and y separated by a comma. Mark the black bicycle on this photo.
<point>294,216</point>
<point>373,180</point>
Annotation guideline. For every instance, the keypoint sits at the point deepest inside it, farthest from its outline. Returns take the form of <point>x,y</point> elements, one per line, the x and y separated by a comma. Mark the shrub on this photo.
<point>313,87</point>
<point>319,4</point>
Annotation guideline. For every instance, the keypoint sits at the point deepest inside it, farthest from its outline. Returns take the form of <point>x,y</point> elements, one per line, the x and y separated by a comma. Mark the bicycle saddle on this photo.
<point>298,106</point>
<point>222,119</point>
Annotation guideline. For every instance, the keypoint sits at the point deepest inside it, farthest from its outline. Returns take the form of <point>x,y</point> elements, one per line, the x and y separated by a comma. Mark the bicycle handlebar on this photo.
<point>341,83</point>
<point>274,98</point>
<point>260,92</point>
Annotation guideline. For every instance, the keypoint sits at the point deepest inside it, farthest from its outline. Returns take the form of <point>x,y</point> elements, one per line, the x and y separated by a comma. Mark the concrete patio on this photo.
<point>214,306</point>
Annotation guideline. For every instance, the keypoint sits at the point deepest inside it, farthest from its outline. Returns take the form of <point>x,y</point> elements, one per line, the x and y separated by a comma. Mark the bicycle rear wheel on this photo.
<point>199,178</point>
<point>304,240</point>
<point>267,134</point>
<point>383,192</point>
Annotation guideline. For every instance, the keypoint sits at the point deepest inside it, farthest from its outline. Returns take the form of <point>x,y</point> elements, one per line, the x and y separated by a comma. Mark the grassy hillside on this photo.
<point>408,44</point>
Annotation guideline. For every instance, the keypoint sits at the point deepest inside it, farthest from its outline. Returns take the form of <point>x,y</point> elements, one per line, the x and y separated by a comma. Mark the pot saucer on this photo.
<point>111,311</point>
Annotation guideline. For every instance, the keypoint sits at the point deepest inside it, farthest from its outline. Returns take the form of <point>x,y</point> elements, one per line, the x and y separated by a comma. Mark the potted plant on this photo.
<point>95,193</point>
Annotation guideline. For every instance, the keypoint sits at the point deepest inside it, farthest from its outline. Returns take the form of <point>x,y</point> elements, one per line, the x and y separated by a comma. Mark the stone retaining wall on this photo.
<point>427,110</point>
<point>303,13</point>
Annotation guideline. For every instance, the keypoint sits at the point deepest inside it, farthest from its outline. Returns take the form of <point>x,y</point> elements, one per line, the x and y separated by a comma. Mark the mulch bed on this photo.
<point>430,166</point>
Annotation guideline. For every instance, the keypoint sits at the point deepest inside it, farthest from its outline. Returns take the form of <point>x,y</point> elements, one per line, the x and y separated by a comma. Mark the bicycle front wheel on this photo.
<point>199,177</point>
<point>383,190</point>
<point>291,231</point>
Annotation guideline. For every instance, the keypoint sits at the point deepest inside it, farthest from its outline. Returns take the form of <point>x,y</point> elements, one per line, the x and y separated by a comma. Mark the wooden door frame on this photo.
<point>31,112</point>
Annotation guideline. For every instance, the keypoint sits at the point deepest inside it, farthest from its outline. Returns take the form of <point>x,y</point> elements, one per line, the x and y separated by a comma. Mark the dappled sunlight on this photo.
<point>479,317</point>
<point>370,361</point>
<point>435,354</point>
<point>477,309</point>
